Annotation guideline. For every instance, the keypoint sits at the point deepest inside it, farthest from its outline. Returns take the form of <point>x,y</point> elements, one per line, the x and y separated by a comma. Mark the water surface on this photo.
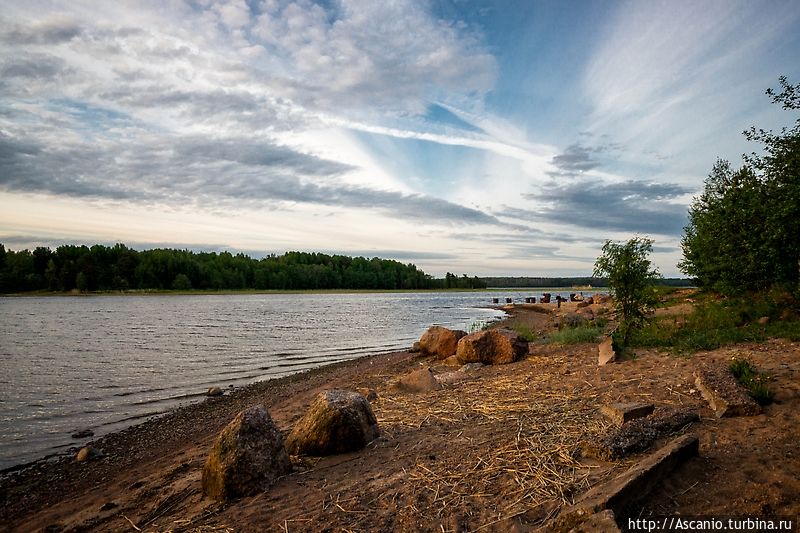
<point>105,362</point>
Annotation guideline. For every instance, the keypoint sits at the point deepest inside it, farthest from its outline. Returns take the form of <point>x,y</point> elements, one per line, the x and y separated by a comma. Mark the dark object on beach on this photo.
<point>545,298</point>
<point>492,347</point>
<point>638,435</point>
<point>214,391</point>
<point>509,300</point>
<point>495,300</point>
<point>109,505</point>
<point>370,394</point>
<point>337,421</point>
<point>82,434</point>
<point>88,453</point>
<point>440,341</point>
<point>248,456</point>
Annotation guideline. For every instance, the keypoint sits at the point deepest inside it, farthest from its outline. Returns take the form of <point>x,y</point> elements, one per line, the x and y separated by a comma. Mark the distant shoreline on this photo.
<point>227,292</point>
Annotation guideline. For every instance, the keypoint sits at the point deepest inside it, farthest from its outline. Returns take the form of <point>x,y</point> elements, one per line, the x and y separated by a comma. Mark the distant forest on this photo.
<point>119,268</point>
<point>521,282</point>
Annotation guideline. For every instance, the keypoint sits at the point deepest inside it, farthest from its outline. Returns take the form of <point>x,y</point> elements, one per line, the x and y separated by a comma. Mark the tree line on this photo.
<point>744,229</point>
<point>119,268</point>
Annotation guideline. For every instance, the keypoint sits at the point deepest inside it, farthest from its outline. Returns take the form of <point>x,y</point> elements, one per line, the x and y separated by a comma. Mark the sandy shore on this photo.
<point>497,450</point>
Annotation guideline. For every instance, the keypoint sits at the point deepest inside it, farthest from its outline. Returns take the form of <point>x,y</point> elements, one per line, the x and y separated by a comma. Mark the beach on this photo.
<point>496,449</point>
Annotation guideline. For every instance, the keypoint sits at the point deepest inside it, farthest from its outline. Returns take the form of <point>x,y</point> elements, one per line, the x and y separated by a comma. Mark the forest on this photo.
<point>120,268</point>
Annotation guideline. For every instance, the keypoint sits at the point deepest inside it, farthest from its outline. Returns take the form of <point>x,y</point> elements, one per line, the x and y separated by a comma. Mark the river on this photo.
<point>106,362</point>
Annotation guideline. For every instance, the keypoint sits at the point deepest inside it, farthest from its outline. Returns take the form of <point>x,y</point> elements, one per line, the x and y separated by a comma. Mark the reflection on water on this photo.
<point>104,362</point>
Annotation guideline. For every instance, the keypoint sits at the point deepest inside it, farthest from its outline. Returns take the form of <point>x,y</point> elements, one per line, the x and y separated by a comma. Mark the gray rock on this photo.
<point>248,456</point>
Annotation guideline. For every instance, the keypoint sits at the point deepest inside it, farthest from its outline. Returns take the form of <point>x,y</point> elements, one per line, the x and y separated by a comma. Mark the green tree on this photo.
<point>631,276</point>
<point>181,283</point>
<point>723,247</point>
<point>743,229</point>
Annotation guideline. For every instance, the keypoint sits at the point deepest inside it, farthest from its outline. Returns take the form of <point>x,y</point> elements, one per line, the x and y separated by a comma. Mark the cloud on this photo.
<point>39,67</point>
<point>684,77</point>
<point>51,31</point>
<point>388,54</point>
<point>630,206</point>
<point>207,172</point>
<point>575,159</point>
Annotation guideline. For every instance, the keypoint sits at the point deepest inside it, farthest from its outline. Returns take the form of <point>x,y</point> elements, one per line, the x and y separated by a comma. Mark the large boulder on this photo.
<point>440,341</point>
<point>247,457</point>
<point>492,347</point>
<point>337,421</point>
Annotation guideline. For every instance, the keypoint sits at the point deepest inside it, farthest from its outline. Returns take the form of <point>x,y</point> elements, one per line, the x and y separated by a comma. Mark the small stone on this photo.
<point>88,453</point>
<point>108,506</point>
<point>448,378</point>
<point>471,367</point>
<point>763,321</point>
<point>214,391</point>
<point>421,380</point>
<point>370,394</point>
<point>82,434</point>
<point>415,348</point>
<point>452,361</point>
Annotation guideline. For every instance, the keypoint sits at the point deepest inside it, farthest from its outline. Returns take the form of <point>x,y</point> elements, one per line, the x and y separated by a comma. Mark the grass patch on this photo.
<point>754,381</point>
<point>526,333</point>
<point>479,325</point>
<point>576,335</point>
<point>715,323</point>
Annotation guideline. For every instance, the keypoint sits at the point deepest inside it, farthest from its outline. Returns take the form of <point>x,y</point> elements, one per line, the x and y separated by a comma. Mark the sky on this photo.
<point>481,137</point>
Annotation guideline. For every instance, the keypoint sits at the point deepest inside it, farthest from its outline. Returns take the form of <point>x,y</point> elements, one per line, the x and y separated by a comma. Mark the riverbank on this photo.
<point>496,449</point>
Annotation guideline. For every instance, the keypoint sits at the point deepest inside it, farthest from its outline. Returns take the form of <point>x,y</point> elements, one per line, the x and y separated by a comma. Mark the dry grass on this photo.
<point>529,456</point>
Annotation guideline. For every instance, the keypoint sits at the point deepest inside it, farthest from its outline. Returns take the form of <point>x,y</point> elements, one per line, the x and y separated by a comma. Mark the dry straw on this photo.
<point>535,429</point>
